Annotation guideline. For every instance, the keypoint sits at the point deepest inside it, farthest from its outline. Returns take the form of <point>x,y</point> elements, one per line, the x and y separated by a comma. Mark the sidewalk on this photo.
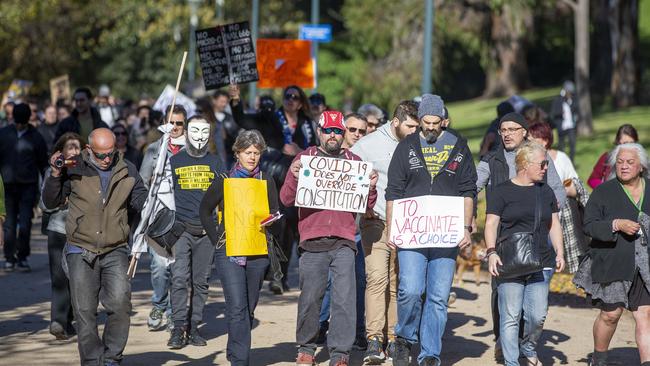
<point>25,340</point>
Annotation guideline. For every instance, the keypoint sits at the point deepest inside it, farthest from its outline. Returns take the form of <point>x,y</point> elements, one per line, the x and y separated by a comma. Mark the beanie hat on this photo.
<point>431,105</point>
<point>21,113</point>
<point>516,118</point>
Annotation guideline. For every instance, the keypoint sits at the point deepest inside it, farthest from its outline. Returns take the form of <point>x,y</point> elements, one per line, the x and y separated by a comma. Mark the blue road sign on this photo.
<point>316,32</point>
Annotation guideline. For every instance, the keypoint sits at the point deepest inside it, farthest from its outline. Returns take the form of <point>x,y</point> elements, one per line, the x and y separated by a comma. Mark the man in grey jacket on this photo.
<point>381,260</point>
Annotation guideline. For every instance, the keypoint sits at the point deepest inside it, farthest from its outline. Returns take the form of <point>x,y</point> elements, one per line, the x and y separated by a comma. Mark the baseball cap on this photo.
<point>331,119</point>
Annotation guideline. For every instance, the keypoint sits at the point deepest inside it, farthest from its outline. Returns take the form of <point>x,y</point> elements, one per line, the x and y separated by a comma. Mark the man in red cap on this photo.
<point>327,246</point>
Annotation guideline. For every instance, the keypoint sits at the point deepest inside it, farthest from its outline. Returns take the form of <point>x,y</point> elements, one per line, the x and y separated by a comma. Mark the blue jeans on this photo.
<point>160,281</point>
<point>421,271</point>
<point>360,270</point>
<point>530,294</point>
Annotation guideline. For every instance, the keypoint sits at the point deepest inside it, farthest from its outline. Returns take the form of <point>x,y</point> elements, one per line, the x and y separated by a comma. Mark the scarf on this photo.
<point>239,171</point>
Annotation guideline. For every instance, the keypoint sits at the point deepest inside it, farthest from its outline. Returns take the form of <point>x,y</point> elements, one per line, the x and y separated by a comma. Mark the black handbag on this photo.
<point>165,229</point>
<point>519,252</point>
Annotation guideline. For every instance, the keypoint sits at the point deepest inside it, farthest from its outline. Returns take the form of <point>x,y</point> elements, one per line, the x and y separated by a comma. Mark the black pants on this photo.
<point>61,305</point>
<point>241,289</point>
<point>571,136</point>
<point>19,202</point>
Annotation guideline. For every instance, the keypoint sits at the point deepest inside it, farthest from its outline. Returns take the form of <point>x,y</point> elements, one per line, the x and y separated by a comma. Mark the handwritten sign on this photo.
<point>333,184</point>
<point>60,89</point>
<point>227,55</point>
<point>427,222</point>
<point>284,62</point>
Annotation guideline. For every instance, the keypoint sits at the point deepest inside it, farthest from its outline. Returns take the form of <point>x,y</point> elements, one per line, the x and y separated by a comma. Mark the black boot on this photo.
<point>599,358</point>
<point>178,338</point>
<point>195,338</point>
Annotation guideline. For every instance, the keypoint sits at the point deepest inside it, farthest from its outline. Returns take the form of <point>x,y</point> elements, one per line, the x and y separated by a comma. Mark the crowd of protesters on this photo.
<point>91,168</point>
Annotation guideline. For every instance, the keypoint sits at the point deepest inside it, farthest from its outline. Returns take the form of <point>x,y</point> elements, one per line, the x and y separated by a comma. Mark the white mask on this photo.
<point>198,133</point>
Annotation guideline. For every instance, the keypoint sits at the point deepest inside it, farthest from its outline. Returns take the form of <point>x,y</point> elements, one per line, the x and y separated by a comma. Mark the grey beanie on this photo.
<point>431,105</point>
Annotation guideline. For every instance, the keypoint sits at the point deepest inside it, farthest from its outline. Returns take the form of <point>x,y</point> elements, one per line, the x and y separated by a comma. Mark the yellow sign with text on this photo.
<point>246,204</point>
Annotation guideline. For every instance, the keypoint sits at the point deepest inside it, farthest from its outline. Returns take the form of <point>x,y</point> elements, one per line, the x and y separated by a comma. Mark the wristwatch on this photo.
<point>468,228</point>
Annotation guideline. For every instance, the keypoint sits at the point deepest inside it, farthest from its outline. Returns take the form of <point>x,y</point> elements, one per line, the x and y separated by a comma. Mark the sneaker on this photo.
<point>375,353</point>
<point>322,333</point>
<point>452,298</point>
<point>305,358</point>
<point>195,338</point>
<point>360,343</point>
<point>276,287</point>
<point>9,266</point>
<point>170,323</point>
<point>430,361</point>
<point>23,266</point>
<point>340,361</point>
<point>498,353</point>
<point>402,354</point>
<point>178,339</point>
<point>390,350</point>
<point>155,321</point>
<point>56,329</point>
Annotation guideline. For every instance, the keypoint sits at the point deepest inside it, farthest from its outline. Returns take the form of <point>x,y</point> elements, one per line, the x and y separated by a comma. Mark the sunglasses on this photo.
<point>294,97</point>
<point>103,156</point>
<point>177,123</point>
<point>542,164</point>
<point>354,130</point>
<point>337,131</point>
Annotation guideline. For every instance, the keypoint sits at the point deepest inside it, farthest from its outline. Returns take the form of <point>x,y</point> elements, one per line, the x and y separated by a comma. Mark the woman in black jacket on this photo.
<point>241,277</point>
<point>617,275</point>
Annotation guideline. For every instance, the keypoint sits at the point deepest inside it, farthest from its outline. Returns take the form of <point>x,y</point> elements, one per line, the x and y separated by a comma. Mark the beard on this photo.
<point>430,136</point>
<point>333,149</point>
<point>196,152</point>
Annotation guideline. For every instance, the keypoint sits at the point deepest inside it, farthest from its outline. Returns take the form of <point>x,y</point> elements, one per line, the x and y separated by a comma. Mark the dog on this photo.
<point>472,256</point>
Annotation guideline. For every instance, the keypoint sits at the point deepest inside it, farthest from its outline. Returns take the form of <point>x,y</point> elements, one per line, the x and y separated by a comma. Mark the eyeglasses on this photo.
<point>354,130</point>
<point>294,97</point>
<point>542,164</point>
<point>177,123</point>
<point>329,130</point>
<point>509,131</point>
<point>103,156</point>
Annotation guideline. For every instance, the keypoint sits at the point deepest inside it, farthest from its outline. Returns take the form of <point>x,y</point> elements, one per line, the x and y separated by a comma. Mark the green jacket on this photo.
<point>97,220</point>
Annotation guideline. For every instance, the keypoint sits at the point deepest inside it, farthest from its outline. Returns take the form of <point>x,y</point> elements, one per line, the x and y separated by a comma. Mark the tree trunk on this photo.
<point>624,35</point>
<point>581,62</point>
<point>507,71</point>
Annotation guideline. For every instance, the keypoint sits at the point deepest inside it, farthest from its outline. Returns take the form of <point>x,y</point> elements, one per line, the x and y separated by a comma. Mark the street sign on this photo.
<point>316,32</point>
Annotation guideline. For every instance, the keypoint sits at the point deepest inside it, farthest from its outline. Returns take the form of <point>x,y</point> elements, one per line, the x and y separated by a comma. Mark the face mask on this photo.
<point>198,134</point>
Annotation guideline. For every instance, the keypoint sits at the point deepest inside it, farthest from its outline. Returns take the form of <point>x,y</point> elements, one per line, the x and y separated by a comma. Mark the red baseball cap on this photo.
<point>331,119</point>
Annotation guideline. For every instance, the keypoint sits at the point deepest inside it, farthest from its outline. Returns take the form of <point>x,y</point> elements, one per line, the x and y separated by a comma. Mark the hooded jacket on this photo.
<point>97,220</point>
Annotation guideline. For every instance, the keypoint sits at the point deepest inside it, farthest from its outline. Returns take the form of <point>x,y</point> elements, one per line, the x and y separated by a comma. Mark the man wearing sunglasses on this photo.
<point>327,246</point>
<point>160,266</point>
<point>356,126</point>
<point>100,190</point>
<point>498,166</point>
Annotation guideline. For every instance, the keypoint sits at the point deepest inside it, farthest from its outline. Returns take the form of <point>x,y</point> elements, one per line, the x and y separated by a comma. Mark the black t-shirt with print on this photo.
<point>516,207</point>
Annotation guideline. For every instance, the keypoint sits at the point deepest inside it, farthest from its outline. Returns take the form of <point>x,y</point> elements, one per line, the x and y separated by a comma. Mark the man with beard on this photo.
<point>100,189</point>
<point>432,161</point>
<point>193,169</point>
<point>327,246</point>
<point>380,259</point>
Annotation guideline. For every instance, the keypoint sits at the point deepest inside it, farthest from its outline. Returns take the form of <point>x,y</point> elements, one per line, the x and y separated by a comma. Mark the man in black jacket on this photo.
<point>84,118</point>
<point>432,161</point>
<point>23,157</point>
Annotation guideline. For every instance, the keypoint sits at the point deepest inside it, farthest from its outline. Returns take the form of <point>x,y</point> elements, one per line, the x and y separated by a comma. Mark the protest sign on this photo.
<point>18,90</point>
<point>227,55</point>
<point>60,89</point>
<point>427,222</point>
<point>166,97</point>
<point>284,62</point>
<point>246,204</point>
<point>333,184</point>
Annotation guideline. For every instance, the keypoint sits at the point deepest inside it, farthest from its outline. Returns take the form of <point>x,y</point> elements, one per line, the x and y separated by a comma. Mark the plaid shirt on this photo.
<point>572,250</point>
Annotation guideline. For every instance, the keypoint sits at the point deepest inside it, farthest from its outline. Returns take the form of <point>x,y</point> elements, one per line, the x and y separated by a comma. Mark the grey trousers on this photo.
<point>314,269</point>
<point>190,274</point>
<point>103,279</point>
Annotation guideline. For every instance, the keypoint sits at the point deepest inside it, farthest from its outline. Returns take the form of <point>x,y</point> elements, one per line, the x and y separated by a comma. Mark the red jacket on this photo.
<point>314,223</point>
<point>601,171</point>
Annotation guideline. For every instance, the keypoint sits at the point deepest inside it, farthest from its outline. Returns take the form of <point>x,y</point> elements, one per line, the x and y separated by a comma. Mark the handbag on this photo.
<point>519,252</point>
<point>165,229</point>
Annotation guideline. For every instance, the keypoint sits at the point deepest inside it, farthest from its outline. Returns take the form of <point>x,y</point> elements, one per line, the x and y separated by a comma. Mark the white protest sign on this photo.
<point>165,99</point>
<point>333,184</point>
<point>427,222</point>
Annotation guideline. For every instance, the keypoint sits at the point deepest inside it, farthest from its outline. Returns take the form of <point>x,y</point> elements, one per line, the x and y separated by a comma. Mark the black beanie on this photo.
<point>21,113</point>
<point>516,118</point>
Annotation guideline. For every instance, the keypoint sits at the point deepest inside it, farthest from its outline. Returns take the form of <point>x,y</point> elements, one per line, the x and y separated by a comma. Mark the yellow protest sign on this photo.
<point>246,204</point>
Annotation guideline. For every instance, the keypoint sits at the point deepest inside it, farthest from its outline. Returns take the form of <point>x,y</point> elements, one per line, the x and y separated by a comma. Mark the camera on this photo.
<point>60,162</point>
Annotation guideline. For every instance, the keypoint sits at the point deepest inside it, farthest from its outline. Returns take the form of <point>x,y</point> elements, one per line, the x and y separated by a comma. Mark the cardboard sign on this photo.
<point>227,55</point>
<point>333,184</point>
<point>18,89</point>
<point>428,222</point>
<point>245,205</point>
<point>284,62</point>
<point>166,97</point>
<point>60,89</point>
